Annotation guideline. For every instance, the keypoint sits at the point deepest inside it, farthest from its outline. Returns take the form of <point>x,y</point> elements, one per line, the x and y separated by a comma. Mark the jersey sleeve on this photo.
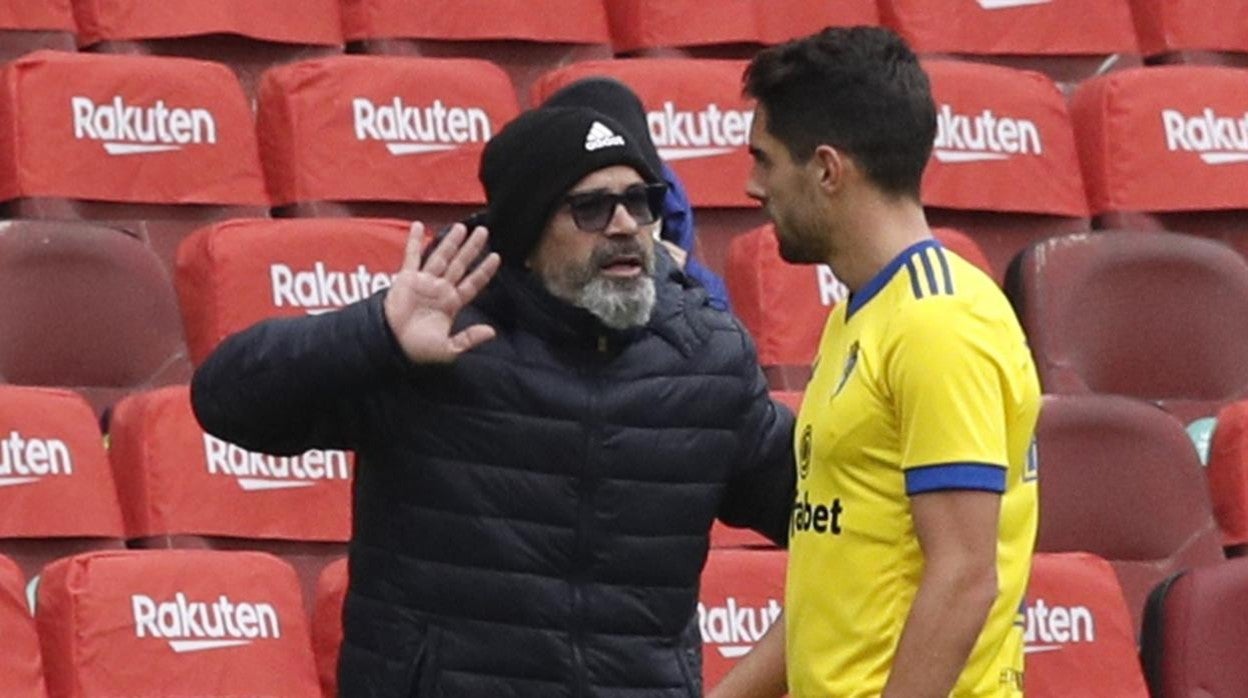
<point>946,379</point>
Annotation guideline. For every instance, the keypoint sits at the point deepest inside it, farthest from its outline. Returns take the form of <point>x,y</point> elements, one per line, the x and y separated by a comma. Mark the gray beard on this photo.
<point>618,303</point>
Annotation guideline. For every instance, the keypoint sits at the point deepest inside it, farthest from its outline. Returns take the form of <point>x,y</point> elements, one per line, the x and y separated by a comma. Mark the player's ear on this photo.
<point>829,167</point>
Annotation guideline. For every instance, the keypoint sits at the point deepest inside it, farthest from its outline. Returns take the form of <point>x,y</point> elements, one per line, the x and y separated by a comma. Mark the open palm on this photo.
<point>427,295</point>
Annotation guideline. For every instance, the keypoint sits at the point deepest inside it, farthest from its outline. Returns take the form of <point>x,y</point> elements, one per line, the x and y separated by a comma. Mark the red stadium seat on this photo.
<point>410,132</point>
<point>1209,32</point>
<point>234,274</point>
<point>1003,168</point>
<point>1194,630</point>
<point>248,36</point>
<point>173,623</point>
<point>731,29</point>
<point>524,37</point>
<point>156,145</point>
<point>1228,476</point>
<point>700,123</point>
<point>1155,316</point>
<point>31,25</point>
<point>21,671</point>
<point>331,592</point>
<point>182,488</point>
<point>87,307</point>
<point>742,592</point>
<point>56,490</point>
<point>1080,641</point>
<point>1166,149</point>
<point>1120,479</point>
<point>785,306</point>
<point>1068,40</point>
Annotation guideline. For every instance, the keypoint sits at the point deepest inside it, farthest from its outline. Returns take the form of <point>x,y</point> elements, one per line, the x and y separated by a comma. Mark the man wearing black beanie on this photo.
<point>544,432</point>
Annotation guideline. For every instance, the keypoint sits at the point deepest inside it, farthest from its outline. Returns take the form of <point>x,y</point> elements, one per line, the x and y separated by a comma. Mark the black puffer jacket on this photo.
<point>532,519</point>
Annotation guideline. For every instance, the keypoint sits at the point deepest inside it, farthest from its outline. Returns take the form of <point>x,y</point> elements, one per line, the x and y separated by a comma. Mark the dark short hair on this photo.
<point>858,89</point>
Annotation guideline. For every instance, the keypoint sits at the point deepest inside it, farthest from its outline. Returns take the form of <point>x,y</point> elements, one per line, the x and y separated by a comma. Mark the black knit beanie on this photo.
<point>530,165</point>
<point>616,100</point>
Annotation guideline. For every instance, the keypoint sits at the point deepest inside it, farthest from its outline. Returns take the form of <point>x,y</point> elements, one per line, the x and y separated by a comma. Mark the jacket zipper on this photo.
<point>583,520</point>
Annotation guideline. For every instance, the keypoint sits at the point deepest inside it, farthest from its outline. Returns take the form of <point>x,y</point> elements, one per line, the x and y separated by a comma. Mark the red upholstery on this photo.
<point>86,307</point>
<point>1209,31</point>
<point>524,37</point>
<point>30,25</point>
<point>1157,316</point>
<point>1228,475</point>
<point>1080,640</point>
<point>409,130</point>
<point>234,274</point>
<point>1100,458</point>
<point>742,593</point>
<point>331,591</point>
<point>1004,166</point>
<point>1193,640</point>
<point>184,623</point>
<point>21,671</point>
<point>1069,40</point>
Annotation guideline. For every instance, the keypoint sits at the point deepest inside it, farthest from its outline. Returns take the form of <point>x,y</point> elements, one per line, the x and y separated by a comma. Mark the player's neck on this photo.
<point>876,231</point>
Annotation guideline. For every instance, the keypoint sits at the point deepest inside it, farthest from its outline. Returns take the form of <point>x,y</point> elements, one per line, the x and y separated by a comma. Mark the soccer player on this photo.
<point>915,519</point>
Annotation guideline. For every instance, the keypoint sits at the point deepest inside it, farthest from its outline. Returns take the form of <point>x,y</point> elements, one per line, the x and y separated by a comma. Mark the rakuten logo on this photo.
<point>684,135</point>
<point>831,289</point>
<point>986,136</point>
<point>734,628</point>
<point>261,471</point>
<point>193,626</point>
<point>1220,140</point>
<point>1050,628</point>
<point>408,130</point>
<point>125,129</point>
<point>25,460</point>
<point>320,290</point>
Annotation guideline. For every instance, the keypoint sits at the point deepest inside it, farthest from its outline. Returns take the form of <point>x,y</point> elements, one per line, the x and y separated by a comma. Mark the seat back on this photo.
<point>331,592</point>
<point>21,670</point>
<point>1156,316</point>
<point>1194,630</point>
<point>234,274</point>
<point>31,25</point>
<point>996,128</point>
<point>1079,636</point>
<point>410,130</point>
<point>1228,476</point>
<point>204,623</point>
<point>1192,31</point>
<point>741,596</point>
<point>1100,457</point>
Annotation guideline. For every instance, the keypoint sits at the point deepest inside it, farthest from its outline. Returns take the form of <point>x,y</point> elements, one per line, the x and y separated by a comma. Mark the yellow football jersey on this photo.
<point>923,382</point>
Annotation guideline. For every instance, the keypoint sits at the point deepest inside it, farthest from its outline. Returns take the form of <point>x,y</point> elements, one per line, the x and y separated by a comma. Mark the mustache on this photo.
<point>613,249</point>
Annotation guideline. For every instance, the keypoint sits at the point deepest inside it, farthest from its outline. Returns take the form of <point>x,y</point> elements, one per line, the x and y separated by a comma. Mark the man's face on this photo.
<point>610,272</point>
<point>788,193</point>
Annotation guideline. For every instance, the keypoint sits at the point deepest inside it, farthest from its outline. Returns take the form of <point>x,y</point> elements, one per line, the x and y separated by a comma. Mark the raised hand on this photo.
<point>426,297</point>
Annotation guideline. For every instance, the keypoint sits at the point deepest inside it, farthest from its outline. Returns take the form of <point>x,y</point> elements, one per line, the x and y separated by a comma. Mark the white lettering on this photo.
<point>321,289</point>
<point>1048,627</point>
<point>406,129</point>
<point>831,289</point>
<point>127,129</point>
<point>682,135</point>
<point>261,471</point>
<point>182,619</point>
<point>1217,139</point>
<point>21,456</point>
<point>735,628</point>
<point>986,136</point>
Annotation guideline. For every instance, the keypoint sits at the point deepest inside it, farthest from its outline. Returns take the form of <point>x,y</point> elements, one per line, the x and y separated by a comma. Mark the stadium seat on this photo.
<point>1194,629</point>
<point>1143,132</point>
<point>725,29</point>
<point>86,307</point>
<point>376,136</point>
<point>1205,32</point>
<point>182,488</point>
<point>233,274</point>
<point>188,623</point>
<point>1228,476</point>
<point>21,671</point>
<point>155,145</point>
<point>31,25</point>
<point>331,592</point>
<point>741,595</point>
<point>700,123</point>
<point>524,37</point>
<point>1004,168</point>
<point>1119,479</point>
<point>1078,631</point>
<point>1068,40</point>
<point>1155,316</point>
<point>785,306</point>
<point>248,36</point>
<point>56,491</point>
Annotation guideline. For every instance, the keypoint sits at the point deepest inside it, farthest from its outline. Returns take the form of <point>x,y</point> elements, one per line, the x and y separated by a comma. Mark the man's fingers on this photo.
<point>479,278</point>
<point>467,254</point>
<point>415,245</point>
<point>470,337</point>
<point>445,250</point>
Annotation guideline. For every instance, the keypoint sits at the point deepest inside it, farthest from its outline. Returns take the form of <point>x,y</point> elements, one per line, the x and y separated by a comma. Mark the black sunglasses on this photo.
<point>592,211</point>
